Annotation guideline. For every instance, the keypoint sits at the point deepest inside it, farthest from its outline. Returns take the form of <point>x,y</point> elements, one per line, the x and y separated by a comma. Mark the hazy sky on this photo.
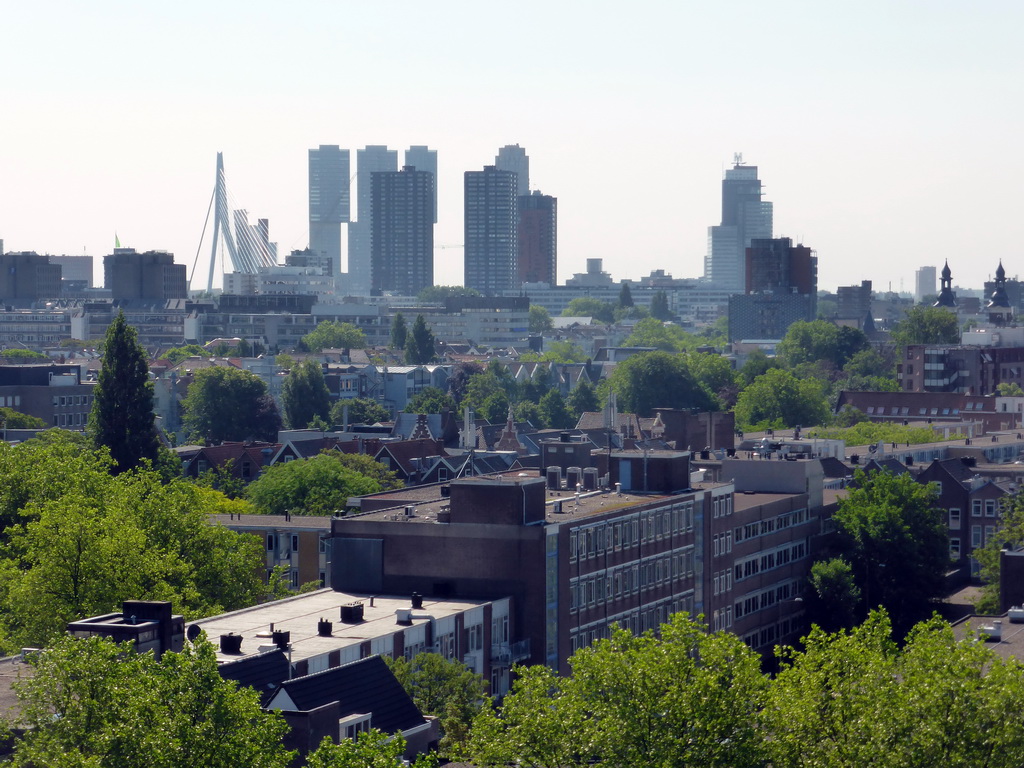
<point>887,133</point>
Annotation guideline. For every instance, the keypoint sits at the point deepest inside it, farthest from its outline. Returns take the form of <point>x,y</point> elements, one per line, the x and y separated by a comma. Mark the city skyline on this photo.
<point>882,128</point>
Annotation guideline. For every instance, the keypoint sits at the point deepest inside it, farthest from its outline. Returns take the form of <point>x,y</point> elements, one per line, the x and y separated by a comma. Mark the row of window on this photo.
<point>721,506</point>
<point>70,419</point>
<point>722,581</point>
<point>625,580</point>
<point>637,621</point>
<point>293,577</point>
<point>10,401</point>
<point>650,525</point>
<point>722,543</point>
<point>771,524</point>
<point>770,634</point>
<point>765,598</point>
<point>773,558</point>
<point>722,619</point>
<point>66,400</point>
<point>976,538</point>
<point>273,540</point>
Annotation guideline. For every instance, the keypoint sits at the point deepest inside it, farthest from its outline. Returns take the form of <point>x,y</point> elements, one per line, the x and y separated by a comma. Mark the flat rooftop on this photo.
<point>299,616</point>
<point>1010,646</point>
<point>317,522</point>
<point>426,501</point>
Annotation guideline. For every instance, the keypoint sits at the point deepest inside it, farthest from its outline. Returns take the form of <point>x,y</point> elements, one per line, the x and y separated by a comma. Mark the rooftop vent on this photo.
<point>352,613</point>
<point>230,643</point>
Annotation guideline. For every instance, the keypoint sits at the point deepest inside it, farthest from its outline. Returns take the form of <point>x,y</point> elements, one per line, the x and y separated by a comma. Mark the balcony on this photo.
<point>507,654</point>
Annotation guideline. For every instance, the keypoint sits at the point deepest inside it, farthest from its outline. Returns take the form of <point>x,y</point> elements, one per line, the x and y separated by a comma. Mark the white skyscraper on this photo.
<point>745,216</point>
<point>368,160</point>
<point>513,158</point>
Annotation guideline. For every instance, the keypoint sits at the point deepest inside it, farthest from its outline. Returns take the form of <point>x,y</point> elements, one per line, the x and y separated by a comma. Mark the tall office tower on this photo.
<point>424,159</point>
<point>27,276</point>
<point>369,160</point>
<point>924,283</point>
<point>513,158</point>
<point>402,237</point>
<point>151,277</point>
<point>328,201</point>
<point>745,216</point>
<point>538,238</point>
<point>491,230</point>
<point>781,288</point>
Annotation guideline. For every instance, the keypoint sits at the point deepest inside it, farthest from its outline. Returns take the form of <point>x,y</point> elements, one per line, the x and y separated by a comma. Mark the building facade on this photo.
<point>26,277</point>
<point>491,230</point>
<point>423,158</point>
<point>369,160</point>
<point>513,158</point>
<point>745,216</point>
<point>538,239</point>
<point>402,238</point>
<point>329,202</point>
<point>151,276</point>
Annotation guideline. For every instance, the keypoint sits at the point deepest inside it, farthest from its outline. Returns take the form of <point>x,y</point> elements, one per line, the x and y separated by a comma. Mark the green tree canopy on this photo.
<point>304,395</point>
<point>554,412</point>
<point>122,417</point>
<point>225,403</point>
<point>557,352</point>
<point>686,698</point>
<point>658,380</point>
<point>1009,389</point>
<point>321,485</point>
<point>361,410</point>
<point>651,332</point>
<point>436,294</point>
<point>926,325</point>
<point>659,306</point>
<point>779,397</point>
<point>419,346</point>
<point>820,340</point>
<point>430,400</point>
<point>399,332</point>
<point>97,704</point>
<point>175,355</point>
<point>625,296</point>
<point>368,467</point>
<point>19,355</point>
<point>458,381</point>
<point>586,306</point>
<point>12,419</point>
<point>330,334</point>
<point>858,698</point>
<point>895,540</point>
<point>445,689</point>
<point>833,597</point>
<point>582,399</point>
<point>540,319</point>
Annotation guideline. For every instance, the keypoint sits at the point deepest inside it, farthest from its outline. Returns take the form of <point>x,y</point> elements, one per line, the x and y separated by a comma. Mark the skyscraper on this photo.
<point>402,237</point>
<point>491,230</point>
<point>924,283</point>
<point>369,160</point>
<point>328,201</point>
<point>424,159</point>
<point>538,238</point>
<point>745,216</point>
<point>513,158</point>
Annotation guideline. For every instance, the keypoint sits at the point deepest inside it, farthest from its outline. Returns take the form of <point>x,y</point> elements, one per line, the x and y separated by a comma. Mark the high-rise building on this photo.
<point>745,216</point>
<point>781,288</point>
<point>149,277</point>
<point>328,201</point>
<point>491,230</point>
<point>402,236</point>
<point>27,276</point>
<point>76,271</point>
<point>924,283</point>
<point>369,160</point>
<point>424,159</point>
<point>538,238</point>
<point>513,158</point>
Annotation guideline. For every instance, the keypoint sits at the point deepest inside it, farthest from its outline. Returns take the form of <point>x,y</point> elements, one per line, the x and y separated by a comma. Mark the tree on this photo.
<point>858,698</point>
<point>554,412</point>
<point>430,400</point>
<point>556,352</point>
<point>658,379</point>
<point>20,355</point>
<point>367,466</point>
<point>540,319</point>
<point>94,703</point>
<point>458,381</point>
<point>926,325</point>
<point>419,347</point>
<point>833,596</point>
<point>304,395</point>
<point>371,749</point>
<point>330,334</point>
<point>779,397</point>
<point>659,306</point>
<point>625,296</point>
<point>446,689</point>
<point>122,417</point>
<point>361,410</point>
<point>685,698</point>
<point>225,403</point>
<point>436,294</point>
<point>650,332</point>
<point>895,540</point>
<point>820,340</point>
<point>321,485</point>
<point>284,360</point>
<point>175,355</point>
<point>12,419</point>
<point>399,332</point>
<point>586,306</point>
<point>1009,389</point>
<point>582,399</point>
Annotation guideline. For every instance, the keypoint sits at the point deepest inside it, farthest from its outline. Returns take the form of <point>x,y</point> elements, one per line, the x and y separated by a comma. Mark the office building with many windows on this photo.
<point>491,231</point>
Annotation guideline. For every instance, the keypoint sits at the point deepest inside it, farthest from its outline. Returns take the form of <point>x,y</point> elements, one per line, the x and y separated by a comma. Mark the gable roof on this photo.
<point>263,671</point>
<point>361,686</point>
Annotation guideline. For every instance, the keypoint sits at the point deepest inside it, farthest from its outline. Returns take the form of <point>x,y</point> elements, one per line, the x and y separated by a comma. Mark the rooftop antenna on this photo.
<point>737,158</point>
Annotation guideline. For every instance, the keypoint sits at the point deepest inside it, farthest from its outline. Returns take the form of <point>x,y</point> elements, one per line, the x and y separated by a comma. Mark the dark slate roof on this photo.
<point>264,672</point>
<point>833,467</point>
<point>956,469</point>
<point>366,685</point>
<point>895,466</point>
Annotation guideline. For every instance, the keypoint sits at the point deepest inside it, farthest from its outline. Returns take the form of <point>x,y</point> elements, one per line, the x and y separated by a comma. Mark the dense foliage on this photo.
<point>419,345</point>
<point>225,403</point>
<point>660,380</point>
<point>330,334</point>
<point>304,395</point>
<point>361,410</point>
<point>321,485</point>
<point>12,419</point>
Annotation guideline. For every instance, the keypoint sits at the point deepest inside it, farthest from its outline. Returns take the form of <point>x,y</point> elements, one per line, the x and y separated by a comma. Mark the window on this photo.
<point>990,507</point>
<point>954,549</point>
<point>975,536</point>
<point>323,545</point>
<point>323,578</point>
<point>295,542</point>
<point>271,542</point>
<point>954,519</point>
<point>476,637</point>
<point>976,508</point>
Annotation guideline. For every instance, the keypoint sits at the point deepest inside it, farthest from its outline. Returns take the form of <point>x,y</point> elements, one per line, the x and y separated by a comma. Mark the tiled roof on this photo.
<point>366,685</point>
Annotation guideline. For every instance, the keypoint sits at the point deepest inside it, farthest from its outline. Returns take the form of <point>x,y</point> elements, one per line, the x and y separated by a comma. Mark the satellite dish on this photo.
<point>193,631</point>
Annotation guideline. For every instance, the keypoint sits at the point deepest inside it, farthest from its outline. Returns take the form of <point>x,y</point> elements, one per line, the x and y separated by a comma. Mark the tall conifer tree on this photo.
<point>122,408</point>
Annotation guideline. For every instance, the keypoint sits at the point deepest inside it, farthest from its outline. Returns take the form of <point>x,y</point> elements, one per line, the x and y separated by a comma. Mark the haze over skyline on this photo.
<point>885,133</point>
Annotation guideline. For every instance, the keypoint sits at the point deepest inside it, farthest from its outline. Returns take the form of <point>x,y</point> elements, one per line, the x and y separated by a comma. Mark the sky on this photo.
<point>886,133</point>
